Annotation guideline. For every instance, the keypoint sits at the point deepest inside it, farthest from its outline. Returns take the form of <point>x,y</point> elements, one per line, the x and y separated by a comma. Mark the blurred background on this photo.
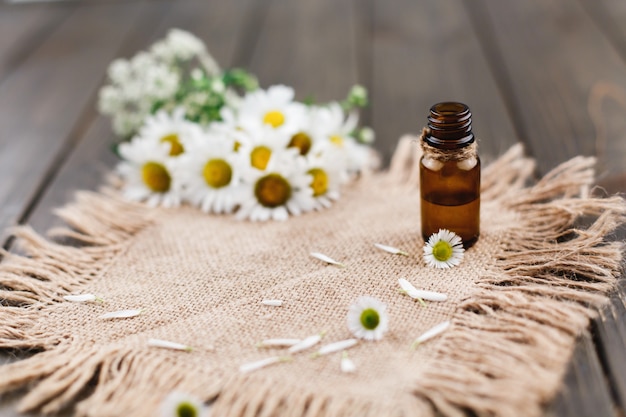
<point>548,73</point>
<point>551,73</point>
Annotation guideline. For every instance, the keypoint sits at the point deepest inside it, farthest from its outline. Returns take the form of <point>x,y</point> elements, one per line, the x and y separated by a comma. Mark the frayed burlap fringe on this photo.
<point>504,354</point>
<point>50,271</point>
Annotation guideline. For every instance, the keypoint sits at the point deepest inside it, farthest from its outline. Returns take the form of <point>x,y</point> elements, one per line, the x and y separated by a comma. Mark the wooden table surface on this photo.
<point>548,73</point>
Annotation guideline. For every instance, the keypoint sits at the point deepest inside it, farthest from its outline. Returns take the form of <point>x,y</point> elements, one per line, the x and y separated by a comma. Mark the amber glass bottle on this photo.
<point>450,174</point>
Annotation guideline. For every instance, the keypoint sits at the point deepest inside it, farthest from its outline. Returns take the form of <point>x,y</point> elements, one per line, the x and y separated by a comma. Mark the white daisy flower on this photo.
<point>273,107</point>
<point>325,181</point>
<point>172,129</point>
<point>367,318</point>
<point>262,144</point>
<point>336,126</point>
<point>150,174</point>
<point>178,404</point>
<point>337,139</point>
<point>444,249</point>
<point>280,190</point>
<point>313,128</point>
<point>212,173</point>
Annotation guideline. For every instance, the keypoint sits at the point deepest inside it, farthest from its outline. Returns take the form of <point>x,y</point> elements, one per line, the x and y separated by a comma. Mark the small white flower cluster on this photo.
<point>149,78</point>
<point>269,157</point>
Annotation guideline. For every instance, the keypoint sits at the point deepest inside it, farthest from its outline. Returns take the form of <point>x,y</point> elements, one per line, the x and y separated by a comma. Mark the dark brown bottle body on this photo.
<point>450,174</point>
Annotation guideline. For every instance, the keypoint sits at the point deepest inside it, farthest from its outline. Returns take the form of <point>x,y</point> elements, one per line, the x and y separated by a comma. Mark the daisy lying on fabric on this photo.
<point>444,249</point>
<point>368,319</point>
<point>263,155</point>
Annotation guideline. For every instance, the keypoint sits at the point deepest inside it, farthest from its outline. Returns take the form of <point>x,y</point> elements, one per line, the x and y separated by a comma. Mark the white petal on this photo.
<point>429,295</point>
<point>122,314</point>
<point>434,331</point>
<point>253,366</point>
<point>264,214</point>
<point>391,249</point>
<point>273,303</point>
<point>278,342</point>
<point>421,294</point>
<point>336,347</point>
<point>80,298</point>
<point>280,214</point>
<point>406,286</point>
<point>306,343</point>
<point>168,345</point>
<point>326,259</point>
<point>347,366</point>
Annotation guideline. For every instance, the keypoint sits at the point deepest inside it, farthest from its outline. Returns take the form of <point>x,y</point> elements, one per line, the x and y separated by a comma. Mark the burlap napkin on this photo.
<point>516,303</point>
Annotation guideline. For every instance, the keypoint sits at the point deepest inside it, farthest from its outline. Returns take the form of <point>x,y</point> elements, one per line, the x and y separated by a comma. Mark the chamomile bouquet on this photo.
<point>193,133</point>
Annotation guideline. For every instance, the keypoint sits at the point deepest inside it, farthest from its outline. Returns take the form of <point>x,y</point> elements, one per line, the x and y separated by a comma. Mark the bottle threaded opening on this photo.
<point>449,126</point>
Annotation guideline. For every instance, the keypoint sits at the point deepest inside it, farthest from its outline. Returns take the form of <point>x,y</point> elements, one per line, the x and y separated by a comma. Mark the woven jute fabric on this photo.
<point>516,303</point>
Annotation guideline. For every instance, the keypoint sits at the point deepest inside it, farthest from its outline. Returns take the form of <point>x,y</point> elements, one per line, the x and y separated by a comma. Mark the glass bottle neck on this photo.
<point>449,126</point>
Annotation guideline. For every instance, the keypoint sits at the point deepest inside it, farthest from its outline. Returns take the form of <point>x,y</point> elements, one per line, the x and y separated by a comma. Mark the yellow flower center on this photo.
<point>176,148</point>
<point>217,173</point>
<point>260,156</point>
<point>186,409</point>
<point>301,141</point>
<point>272,190</point>
<point>320,181</point>
<point>156,177</point>
<point>274,118</point>
<point>337,140</point>
<point>370,318</point>
<point>442,251</point>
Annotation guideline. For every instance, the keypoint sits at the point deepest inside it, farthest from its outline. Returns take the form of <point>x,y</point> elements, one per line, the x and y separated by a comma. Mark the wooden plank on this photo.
<point>550,55</point>
<point>610,331</point>
<point>43,101</point>
<point>609,17</point>
<point>585,392</point>
<point>607,103</point>
<point>23,29</point>
<point>424,53</point>
<point>310,46</point>
<point>607,110</point>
